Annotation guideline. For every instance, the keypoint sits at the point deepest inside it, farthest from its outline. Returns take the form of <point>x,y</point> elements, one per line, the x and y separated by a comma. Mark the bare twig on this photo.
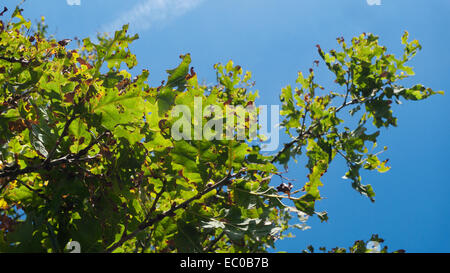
<point>350,76</point>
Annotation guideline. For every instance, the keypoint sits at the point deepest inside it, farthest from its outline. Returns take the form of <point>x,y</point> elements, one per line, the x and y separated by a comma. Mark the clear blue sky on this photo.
<point>274,40</point>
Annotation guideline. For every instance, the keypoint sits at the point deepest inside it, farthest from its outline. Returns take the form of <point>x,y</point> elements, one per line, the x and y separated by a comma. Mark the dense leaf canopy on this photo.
<point>87,154</point>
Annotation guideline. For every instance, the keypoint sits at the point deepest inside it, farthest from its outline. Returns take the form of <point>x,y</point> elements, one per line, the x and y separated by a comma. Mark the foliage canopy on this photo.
<point>86,152</point>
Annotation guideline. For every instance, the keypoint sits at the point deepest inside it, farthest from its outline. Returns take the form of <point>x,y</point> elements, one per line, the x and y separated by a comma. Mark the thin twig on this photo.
<point>63,134</point>
<point>350,76</point>
<point>211,245</point>
<point>62,160</point>
<point>38,192</point>
<point>303,133</point>
<point>14,60</point>
<point>270,195</point>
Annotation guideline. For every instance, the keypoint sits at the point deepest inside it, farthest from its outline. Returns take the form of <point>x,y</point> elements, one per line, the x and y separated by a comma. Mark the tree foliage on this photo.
<point>374,245</point>
<point>87,155</point>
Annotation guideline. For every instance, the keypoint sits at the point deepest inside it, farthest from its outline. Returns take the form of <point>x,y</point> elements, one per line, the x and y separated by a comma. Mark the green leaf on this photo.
<point>188,238</point>
<point>177,76</point>
<point>116,109</point>
<point>185,155</point>
<point>42,139</point>
<point>79,130</point>
<point>21,194</point>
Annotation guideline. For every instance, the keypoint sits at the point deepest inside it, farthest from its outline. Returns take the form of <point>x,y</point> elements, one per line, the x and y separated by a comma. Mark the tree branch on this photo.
<point>12,172</point>
<point>12,101</point>
<point>302,134</point>
<point>158,195</point>
<point>211,245</point>
<point>62,160</point>
<point>171,211</point>
<point>38,192</point>
<point>63,134</point>
<point>14,60</point>
<point>350,76</point>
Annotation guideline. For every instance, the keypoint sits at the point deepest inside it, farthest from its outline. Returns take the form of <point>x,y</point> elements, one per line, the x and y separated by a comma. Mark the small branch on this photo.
<point>286,147</point>
<point>158,195</point>
<point>303,133</point>
<point>344,156</point>
<point>4,186</point>
<point>63,134</point>
<point>63,160</point>
<point>12,101</point>
<point>350,76</point>
<point>13,171</point>
<point>355,101</point>
<point>34,190</point>
<point>271,195</point>
<point>172,210</point>
<point>14,60</point>
<point>95,141</point>
<point>211,245</point>
<point>284,178</point>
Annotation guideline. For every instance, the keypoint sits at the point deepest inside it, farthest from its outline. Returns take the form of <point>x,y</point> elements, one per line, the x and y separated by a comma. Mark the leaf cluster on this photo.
<point>87,154</point>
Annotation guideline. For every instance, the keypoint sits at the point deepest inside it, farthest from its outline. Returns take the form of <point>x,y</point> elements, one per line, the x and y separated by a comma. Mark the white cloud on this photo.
<point>149,12</point>
<point>374,2</point>
<point>73,2</point>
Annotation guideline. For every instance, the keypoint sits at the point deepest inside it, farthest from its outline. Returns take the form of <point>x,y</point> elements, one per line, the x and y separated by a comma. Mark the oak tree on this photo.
<point>87,153</point>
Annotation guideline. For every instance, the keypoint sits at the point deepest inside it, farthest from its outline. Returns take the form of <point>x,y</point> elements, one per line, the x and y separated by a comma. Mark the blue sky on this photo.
<point>274,40</point>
